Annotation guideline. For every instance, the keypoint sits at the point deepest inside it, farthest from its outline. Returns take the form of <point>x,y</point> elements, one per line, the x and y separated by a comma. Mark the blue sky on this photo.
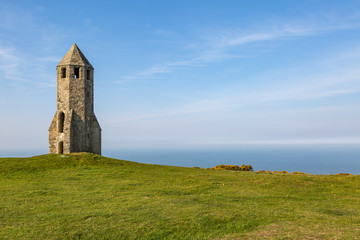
<point>187,74</point>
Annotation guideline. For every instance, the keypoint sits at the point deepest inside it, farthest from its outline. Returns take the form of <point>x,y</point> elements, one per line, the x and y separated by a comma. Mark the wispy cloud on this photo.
<point>13,68</point>
<point>252,100</point>
<point>49,59</point>
<point>205,105</point>
<point>90,25</point>
<point>23,64</point>
<point>9,63</point>
<point>215,46</point>
<point>301,141</point>
<point>302,88</point>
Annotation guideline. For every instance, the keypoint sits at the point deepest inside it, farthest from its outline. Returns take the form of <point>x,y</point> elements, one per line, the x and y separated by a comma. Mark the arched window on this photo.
<point>76,73</point>
<point>61,119</point>
<point>61,147</point>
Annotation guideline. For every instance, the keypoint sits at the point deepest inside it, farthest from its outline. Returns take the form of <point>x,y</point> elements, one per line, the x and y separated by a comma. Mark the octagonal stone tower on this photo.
<point>75,127</point>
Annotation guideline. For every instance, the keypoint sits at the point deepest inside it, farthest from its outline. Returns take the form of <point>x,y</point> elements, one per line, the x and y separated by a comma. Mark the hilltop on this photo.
<point>87,196</point>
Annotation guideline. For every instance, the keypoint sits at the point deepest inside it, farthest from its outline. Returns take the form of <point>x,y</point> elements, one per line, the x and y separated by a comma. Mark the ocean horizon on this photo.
<point>313,159</point>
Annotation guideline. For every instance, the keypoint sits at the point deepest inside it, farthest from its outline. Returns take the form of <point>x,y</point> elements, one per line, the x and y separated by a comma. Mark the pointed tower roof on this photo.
<point>75,57</point>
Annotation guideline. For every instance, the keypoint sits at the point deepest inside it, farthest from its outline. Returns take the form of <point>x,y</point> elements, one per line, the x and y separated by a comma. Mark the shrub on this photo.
<point>299,173</point>
<point>234,167</point>
<point>343,174</point>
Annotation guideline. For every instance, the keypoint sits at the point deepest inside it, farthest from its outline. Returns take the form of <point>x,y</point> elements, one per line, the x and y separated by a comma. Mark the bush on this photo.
<point>234,167</point>
<point>299,173</point>
<point>343,174</point>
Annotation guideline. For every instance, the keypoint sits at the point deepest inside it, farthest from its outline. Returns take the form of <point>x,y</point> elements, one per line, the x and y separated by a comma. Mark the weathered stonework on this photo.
<point>75,127</point>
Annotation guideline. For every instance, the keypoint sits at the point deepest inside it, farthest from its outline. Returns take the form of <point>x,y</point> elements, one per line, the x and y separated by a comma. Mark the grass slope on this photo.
<point>86,196</point>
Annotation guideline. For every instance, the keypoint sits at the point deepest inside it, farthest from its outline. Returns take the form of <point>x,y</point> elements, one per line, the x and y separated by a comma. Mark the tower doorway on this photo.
<point>61,147</point>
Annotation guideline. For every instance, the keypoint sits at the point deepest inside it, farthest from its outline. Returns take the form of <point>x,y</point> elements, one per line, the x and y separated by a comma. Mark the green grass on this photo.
<point>86,196</point>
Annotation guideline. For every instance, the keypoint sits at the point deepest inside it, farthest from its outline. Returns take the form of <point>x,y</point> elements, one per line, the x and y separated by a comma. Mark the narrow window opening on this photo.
<point>76,73</point>
<point>61,119</point>
<point>88,136</point>
<point>88,94</point>
<point>88,74</point>
<point>63,72</point>
<point>61,147</point>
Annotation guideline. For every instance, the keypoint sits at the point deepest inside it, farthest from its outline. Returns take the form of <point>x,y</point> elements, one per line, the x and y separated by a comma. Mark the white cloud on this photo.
<point>306,125</point>
<point>14,68</point>
<point>9,63</point>
<point>239,101</point>
<point>202,106</point>
<point>50,59</point>
<point>215,45</point>
<point>314,87</point>
<point>345,140</point>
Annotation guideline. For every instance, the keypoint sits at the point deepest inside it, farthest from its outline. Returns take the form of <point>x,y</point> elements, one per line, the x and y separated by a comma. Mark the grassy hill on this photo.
<point>86,196</point>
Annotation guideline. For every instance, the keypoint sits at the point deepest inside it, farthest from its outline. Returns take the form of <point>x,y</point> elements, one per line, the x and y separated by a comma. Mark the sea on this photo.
<point>313,159</point>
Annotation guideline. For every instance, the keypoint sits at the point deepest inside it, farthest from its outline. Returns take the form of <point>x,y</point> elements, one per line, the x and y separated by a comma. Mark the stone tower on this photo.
<point>75,127</point>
